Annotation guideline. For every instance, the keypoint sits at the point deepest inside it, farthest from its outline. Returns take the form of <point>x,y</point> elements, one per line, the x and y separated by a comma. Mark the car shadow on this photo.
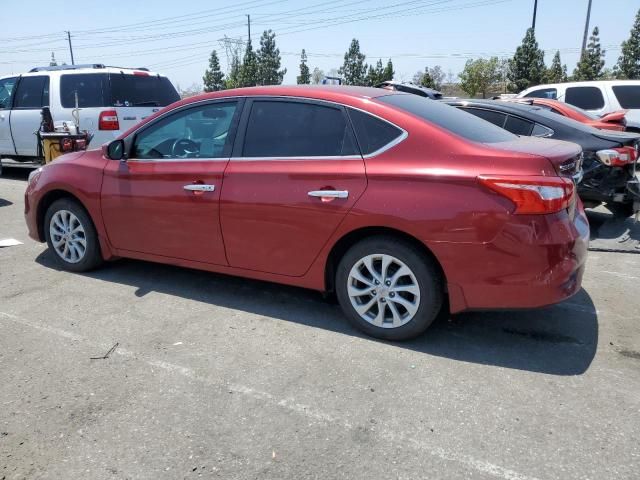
<point>611,232</point>
<point>15,173</point>
<point>558,340</point>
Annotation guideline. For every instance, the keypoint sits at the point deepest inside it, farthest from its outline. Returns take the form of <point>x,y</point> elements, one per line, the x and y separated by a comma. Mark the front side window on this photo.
<point>32,93</point>
<point>551,93</point>
<point>199,132</point>
<point>628,95</point>
<point>7,87</point>
<point>372,133</point>
<point>589,98</point>
<point>84,90</point>
<point>296,129</point>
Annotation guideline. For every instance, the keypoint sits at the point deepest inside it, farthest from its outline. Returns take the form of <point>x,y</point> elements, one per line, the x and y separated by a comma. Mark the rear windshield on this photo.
<point>450,118</point>
<point>115,90</point>
<point>628,95</point>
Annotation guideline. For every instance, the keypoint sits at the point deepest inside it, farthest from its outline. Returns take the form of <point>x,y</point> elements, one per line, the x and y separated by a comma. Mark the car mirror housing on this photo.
<point>116,150</point>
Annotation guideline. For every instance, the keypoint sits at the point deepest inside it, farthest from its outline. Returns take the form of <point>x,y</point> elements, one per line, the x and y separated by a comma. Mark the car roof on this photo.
<point>82,69</point>
<point>336,93</point>
<point>585,83</point>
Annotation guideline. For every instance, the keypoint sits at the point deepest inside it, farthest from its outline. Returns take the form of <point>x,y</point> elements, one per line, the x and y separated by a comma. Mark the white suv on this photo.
<point>599,97</point>
<point>109,99</point>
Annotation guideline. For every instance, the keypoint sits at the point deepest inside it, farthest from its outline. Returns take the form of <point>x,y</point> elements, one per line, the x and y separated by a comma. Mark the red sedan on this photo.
<point>610,121</point>
<point>400,205</point>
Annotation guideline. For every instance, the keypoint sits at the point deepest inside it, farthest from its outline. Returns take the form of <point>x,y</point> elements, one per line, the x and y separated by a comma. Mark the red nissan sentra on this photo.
<point>400,205</point>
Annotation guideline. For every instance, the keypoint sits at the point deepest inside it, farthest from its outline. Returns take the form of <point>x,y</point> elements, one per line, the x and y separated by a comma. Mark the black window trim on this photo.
<point>130,140</point>
<point>17,85</point>
<point>244,121</point>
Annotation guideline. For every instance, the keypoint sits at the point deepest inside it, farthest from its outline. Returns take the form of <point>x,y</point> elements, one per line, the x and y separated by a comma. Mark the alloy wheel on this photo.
<point>68,236</point>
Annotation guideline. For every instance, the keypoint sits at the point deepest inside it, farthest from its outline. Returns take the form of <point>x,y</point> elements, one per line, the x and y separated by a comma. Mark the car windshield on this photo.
<point>450,118</point>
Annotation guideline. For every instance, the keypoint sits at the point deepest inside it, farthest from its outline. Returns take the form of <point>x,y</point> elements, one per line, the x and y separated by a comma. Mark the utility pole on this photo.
<point>535,10</point>
<point>70,47</point>
<point>249,26</point>
<point>586,30</point>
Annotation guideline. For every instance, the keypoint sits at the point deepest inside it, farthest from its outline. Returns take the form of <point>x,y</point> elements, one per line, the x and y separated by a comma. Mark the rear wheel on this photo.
<point>388,288</point>
<point>71,236</point>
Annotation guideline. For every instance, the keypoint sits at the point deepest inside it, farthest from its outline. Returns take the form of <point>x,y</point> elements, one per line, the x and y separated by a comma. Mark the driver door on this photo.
<point>164,200</point>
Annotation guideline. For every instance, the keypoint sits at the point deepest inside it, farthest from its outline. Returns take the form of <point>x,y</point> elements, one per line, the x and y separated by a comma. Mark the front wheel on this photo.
<point>388,288</point>
<point>71,236</point>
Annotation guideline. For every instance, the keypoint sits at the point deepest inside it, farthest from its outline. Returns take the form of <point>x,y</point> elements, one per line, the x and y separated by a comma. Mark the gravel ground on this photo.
<point>220,377</point>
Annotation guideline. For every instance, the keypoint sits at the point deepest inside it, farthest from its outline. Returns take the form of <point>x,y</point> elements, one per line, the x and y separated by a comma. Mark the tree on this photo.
<point>557,72</point>
<point>480,75</point>
<point>305,77</point>
<point>316,76</point>
<point>526,68</point>
<point>192,90</point>
<point>213,78</point>
<point>375,75</point>
<point>248,75</point>
<point>388,74</point>
<point>233,78</point>
<point>591,61</point>
<point>424,79</point>
<point>268,60</point>
<point>353,70</point>
<point>629,62</point>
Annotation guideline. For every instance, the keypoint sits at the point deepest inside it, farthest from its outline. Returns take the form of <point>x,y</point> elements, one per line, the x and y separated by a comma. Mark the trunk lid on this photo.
<point>566,157</point>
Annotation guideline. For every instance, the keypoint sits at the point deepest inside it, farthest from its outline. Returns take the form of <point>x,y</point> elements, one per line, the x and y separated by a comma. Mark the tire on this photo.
<point>69,214</point>
<point>621,209</point>
<point>411,299</point>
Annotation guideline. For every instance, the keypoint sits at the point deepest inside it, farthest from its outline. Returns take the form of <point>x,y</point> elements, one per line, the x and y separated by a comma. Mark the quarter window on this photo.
<point>7,87</point>
<point>371,132</point>
<point>543,93</point>
<point>296,129</point>
<point>541,131</point>
<point>32,92</point>
<point>199,132</point>
<point>518,126</point>
<point>89,89</point>
<point>496,118</point>
<point>589,98</point>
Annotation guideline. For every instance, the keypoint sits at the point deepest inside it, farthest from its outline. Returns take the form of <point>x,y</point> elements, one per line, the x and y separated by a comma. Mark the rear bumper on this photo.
<point>535,261</point>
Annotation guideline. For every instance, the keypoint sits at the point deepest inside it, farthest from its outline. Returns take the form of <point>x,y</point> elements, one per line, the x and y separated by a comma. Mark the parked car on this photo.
<point>109,99</point>
<point>598,97</point>
<point>609,166</point>
<point>609,121</point>
<point>411,88</point>
<point>398,204</point>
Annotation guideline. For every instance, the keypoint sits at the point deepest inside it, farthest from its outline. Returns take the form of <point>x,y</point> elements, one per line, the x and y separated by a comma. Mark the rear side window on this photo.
<point>628,95</point>
<point>89,89</point>
<point>371,132</point>
<point>449,118</point>
<point>141,91</point>
<point>589,98</point>
<point>543,93</point>
<point>518,126</point>
<point>296,129</point>
<point>496,118</point>
<point>32,92</point>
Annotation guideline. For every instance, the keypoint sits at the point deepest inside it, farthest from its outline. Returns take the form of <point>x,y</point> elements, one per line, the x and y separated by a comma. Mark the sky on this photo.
<point>175,38</point>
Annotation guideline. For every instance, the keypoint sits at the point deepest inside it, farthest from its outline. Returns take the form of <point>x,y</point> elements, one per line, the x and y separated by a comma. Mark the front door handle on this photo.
<point>329,193</point>
<point>199,187</point>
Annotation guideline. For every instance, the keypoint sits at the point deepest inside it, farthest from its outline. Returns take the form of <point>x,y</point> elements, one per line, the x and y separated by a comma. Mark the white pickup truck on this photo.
<point>108,100</point>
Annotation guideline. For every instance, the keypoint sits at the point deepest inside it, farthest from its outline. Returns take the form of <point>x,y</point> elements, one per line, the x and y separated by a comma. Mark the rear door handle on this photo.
<point>329,193</point>
<point>198,187</point>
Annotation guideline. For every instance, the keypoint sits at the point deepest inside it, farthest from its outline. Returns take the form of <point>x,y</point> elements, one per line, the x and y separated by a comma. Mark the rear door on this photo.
<point>32,93</point>
<point>7,88</point>
<point>296,174</point>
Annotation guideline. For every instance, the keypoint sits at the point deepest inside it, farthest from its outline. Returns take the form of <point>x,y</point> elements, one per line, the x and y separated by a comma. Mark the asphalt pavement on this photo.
<point>220,377</point>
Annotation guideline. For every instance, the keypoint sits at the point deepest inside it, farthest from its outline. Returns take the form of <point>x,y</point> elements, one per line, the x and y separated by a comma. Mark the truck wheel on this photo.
<point>388,288</point>
<point>71,236</point>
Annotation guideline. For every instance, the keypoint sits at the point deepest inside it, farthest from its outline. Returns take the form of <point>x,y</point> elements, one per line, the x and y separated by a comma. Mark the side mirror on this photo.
<point>115,150</point>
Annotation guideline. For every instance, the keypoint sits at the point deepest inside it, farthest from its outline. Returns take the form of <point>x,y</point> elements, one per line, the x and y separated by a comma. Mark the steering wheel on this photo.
<point>184,148</point>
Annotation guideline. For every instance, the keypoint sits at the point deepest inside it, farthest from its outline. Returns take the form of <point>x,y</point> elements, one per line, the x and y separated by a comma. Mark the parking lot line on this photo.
<point>289,403</point>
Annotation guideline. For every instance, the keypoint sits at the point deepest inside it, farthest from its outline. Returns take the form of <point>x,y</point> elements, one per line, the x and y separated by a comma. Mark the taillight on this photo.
<point>532,194</point>
<point>617,157</point>
<point>108,120</point>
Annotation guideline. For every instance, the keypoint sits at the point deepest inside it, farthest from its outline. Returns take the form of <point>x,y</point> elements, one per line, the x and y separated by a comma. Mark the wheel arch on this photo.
<point>355,236</point>
<point>47,200</point>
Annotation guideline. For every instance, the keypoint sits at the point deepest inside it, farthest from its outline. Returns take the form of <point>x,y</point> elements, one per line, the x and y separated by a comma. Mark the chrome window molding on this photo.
<point>181,160</point>
<point>296,158</point>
